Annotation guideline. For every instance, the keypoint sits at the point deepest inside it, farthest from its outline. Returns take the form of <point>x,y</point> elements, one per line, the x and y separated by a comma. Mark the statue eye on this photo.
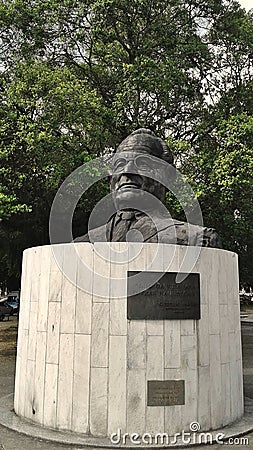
<point>119,164</point>
<point>143,162</point>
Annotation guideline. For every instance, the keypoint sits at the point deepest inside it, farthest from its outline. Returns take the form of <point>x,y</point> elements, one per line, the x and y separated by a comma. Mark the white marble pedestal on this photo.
<point>82,366</point>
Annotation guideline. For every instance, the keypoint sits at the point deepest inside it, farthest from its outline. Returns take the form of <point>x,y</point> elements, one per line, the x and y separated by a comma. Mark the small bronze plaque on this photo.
<point>166,393</point>
<point>165,299</point>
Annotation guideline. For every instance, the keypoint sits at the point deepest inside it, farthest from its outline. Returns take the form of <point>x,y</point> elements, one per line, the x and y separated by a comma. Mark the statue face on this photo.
<point>131,178</point>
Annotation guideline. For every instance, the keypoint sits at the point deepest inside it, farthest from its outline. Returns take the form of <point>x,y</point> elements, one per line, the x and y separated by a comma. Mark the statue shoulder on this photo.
<point>202,236</point>
<point>96,235</point>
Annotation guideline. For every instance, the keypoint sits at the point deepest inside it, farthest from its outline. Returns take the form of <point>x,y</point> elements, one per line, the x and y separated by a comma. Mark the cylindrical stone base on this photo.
<point>83,366</point>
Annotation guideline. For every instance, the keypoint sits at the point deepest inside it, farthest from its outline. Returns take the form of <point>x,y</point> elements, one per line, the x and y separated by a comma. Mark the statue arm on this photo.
<point>209,238</point>
<point>84,238</point>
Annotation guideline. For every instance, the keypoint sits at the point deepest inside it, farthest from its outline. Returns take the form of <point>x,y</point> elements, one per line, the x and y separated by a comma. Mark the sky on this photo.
<point>247,4</point>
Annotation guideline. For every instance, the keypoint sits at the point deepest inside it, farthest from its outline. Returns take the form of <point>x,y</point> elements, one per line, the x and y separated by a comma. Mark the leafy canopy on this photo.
<point>77,77</point>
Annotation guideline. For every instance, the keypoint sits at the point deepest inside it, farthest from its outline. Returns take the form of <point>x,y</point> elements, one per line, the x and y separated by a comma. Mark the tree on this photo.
<point>50,124</point>
<point>223,174</point>
<point>77,77</point>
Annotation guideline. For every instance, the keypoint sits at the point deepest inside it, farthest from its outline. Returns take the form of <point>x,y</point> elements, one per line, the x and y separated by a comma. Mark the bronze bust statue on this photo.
<point>140,165</point>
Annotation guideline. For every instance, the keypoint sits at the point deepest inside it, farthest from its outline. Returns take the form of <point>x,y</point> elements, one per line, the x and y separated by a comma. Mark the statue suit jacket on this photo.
<point>167,231</point>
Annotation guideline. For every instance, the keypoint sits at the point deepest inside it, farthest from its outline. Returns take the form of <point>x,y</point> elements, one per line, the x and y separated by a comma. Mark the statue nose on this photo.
<point>129,167</point>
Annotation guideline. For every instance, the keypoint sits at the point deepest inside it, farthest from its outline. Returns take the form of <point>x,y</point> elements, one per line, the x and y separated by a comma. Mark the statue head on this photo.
<point>137,159</point>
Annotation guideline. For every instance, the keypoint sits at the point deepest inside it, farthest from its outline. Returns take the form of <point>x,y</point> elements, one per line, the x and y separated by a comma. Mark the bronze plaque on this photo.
<point>166,393</point>
<point>165,299</point>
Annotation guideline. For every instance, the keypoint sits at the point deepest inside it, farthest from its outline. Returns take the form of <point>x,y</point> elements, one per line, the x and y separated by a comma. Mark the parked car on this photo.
<point>13,301</point>
<point>5,309</point>
<point>246,299</point>
<point>14,296</point>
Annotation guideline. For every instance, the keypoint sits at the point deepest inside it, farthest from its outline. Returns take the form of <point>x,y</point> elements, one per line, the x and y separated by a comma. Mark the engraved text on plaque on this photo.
<point>166,393</point>
<point>165,299</point>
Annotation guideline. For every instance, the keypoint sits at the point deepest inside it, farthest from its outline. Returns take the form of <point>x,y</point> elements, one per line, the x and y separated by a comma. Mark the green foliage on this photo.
<point>77,77</point>
<point>221,173</point>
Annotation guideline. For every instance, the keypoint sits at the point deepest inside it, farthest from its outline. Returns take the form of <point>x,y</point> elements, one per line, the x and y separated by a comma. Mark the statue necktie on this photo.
<point>122,224</point>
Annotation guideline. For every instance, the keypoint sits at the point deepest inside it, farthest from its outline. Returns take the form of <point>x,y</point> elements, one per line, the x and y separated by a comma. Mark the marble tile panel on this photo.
<point>204,401</point>
<point>237,320</point>
<point>119,253</point>
<point>69,290</point>
<point>24,294</point>
<point>118,270</point>
<point>136,401</point>
<point>203,337</point>
<point>44,290</point>
<point>225,392</point>
<point>117,384</point>
<point>172,342</point>
<point>173,413</point>
<point>240,399</point>
<point>83,312</point>
<point>85,261</point>
<point>231,318</point>
<point>137,256</point>
<point>188,327</point>
<point>39,377</point>
<point>28,389</point>
<point>68,315</point>
<point>170,258</point>
<point>65,382</point>
<point>155,327</point>
<point>154,257</point>
<point>236,383</point>
<point>84,288</point>
<point>189,374</point>
<point>55,286</point>
<point>101,269</point>
<point>213,298</point>
<point>232,352</point>
<point>136,345</point>
<point>99,340</point>
<point>50,395</point>
<point>235,288</point>
<point>234,390</point>
<point>35,289</point>
<point>204,266</point>
<point>189,352</point>
<point>223,261</point>
<point>69,269</point>
<point>155,358</point>
<point>215,376</point>
<point>22,340</point>
<point>17,386</point>
<point>99,401</point>
<point>232,276</point>
<point>21,375</point>
<point>81,384</point>
<point>57,257</point>
<point>118,283</point>
<point>36,264</point>
<point>155,371</point>
<point>224,336</point>
<point>237,346</point>
<point>118,317</point>
<point>32,330</point>
<point>53,332</point>
<point>118,288</point>
<point>190,412</point>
